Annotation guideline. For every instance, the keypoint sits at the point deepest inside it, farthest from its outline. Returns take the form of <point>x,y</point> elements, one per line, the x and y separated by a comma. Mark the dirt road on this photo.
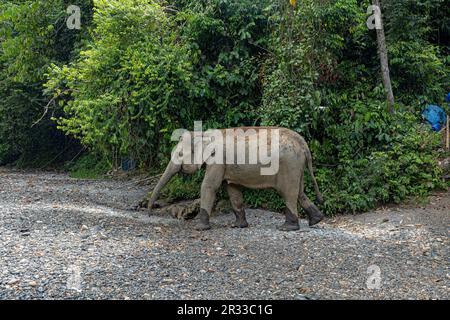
<point>67,238</point>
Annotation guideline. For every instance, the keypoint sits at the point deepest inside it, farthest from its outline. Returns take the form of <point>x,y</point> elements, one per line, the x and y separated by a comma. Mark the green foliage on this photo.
<point>139,69</point>
<point>308,52</point>
<point>32,36</point>
<point>230,36</point>
<point>89,166</point>
<point>146,73</point>
<point>183,187</point>
<point>419,68</point>
<point>324,83</point>
<point>127,88</point>
<point>266,199</point>
<point>390,159</point>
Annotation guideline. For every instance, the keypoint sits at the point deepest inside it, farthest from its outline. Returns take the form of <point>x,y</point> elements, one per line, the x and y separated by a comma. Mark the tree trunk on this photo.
<point>382,51</point>
<point>447,134</point>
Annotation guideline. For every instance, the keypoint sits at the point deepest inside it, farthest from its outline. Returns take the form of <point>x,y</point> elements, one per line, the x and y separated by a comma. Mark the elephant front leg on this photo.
<point>208,197</point>
<point>210,185</point>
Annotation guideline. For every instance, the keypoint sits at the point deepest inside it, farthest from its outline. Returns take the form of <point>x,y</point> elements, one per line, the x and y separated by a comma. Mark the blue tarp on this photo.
<point>435,116</point>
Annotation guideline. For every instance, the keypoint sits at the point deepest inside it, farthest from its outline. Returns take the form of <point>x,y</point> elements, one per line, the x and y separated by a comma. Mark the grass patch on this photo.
<point>89,166</point>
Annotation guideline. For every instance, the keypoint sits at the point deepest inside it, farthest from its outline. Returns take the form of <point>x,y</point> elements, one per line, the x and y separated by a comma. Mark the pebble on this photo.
<point>13,282</point>
<point>82,235</point>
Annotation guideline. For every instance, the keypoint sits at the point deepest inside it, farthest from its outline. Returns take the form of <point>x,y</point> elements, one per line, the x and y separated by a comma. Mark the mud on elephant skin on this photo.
<point>293,158</point>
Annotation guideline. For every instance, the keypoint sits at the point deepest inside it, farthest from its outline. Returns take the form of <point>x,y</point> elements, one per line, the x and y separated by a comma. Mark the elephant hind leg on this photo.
<point>291,212</point>
<point>313,213</point>
<point>291,223</point>
<point>237,203</point>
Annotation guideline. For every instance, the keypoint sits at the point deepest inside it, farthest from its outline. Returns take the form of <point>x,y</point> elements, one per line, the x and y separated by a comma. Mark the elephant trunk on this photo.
<point>170,171</point>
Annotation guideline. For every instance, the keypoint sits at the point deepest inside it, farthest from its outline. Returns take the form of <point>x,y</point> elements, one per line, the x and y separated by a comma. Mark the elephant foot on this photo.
<point>204,221</point>
<point>291,223</point>
<point>287,226</point>
<point>241,221</point>
<point>314,215</point>
<point>240,224</point>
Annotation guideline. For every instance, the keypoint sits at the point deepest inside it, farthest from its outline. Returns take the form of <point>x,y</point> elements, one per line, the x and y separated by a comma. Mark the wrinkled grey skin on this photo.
<point>289,182</point>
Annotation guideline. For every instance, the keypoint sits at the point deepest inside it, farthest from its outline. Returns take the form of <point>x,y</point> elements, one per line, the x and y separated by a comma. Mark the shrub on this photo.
<point>88,166</point>
<point>138,69</point>
<point>33,36</point>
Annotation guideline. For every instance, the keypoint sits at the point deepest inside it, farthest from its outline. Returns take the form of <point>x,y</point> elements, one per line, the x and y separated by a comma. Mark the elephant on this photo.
<point>288,181</point>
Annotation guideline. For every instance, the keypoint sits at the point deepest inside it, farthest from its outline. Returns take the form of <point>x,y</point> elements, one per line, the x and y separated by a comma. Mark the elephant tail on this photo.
<point>311,173</point>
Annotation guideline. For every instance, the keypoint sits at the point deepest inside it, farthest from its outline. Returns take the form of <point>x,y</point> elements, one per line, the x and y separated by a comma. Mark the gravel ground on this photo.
<point>62,238</point>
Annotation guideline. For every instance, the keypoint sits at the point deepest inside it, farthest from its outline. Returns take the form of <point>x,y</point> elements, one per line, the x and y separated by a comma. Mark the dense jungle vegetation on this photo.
<point>138,69</point>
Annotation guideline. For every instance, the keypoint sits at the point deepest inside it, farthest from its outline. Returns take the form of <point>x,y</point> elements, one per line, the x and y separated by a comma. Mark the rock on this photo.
<point>96,229</point>
<point>103,236</point>
<point>13,281</point>
<point>170,260</point>
<point>167,280</point>
<point>445,165</point>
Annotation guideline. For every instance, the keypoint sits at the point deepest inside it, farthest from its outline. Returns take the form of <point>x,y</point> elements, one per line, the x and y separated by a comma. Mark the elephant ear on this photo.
<point>199,149</point>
